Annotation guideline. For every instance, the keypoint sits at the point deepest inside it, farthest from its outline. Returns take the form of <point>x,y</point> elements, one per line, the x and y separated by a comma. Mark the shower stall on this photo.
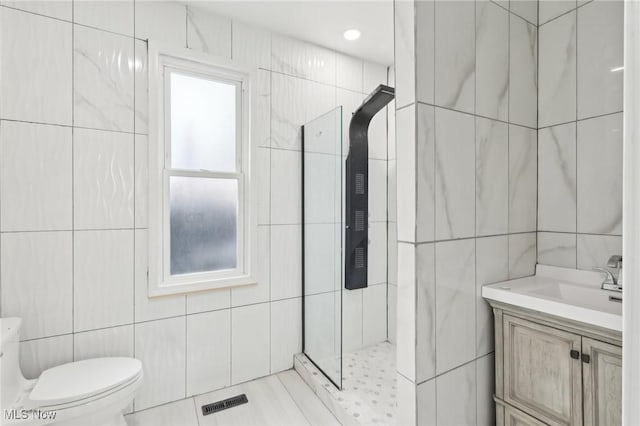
<point>345,338</point>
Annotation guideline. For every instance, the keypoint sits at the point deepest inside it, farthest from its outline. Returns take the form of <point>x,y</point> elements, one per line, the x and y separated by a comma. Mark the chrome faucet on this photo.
<point>614,279</point>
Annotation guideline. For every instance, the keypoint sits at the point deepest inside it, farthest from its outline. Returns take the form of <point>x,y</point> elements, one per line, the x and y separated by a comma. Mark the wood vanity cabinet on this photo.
<point>552,371</point>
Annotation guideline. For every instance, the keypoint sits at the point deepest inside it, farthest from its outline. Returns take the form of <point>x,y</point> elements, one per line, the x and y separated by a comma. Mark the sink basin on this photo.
<point>562,292</point>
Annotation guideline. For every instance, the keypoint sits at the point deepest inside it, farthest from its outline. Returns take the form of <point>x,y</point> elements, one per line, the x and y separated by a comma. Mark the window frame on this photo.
<point>164,60</point>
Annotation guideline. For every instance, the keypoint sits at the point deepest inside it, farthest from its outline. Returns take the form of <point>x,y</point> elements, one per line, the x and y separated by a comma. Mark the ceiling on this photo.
<point>320,22</point>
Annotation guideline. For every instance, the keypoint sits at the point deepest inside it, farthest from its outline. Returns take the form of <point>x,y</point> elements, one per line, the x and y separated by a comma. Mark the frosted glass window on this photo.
<point>203,124</point>
<point>203,224</point>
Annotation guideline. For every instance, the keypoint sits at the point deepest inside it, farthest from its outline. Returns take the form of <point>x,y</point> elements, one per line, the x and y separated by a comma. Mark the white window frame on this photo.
<point>162,60</point>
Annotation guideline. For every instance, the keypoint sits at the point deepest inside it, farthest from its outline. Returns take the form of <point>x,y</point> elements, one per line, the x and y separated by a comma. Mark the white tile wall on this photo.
<point>485,384</point>
<point>208,33</point>
<point>352,320</point>
<point>251,46</point>
<point>405,54</point>
<point>89,77</point>
<point>492,265</point>
<point>426,179</point>
<point>160,346</point>
<point>599,175</point>
<point>141,92</point>
<point>112,341</point>
<point>492,67</point>
<point>208,351</point>
<point>455,56</point>
<point>455,175</point>
<point>103,177</point>
<point>350,72</point>
<point>286,332</point>
<point>557,178</point>
<point>594,250</point>
<point>43,201</point>
<point>557,249</point>
<point>522,255</point>
<point>467,161</point>
<point>557,90</point>
<point>103,279</point>
<point>523,72</point>
<point>40,92</point>
<point>523,179</point>
<point>456,396</point>
<point>455,303</point>
<point>300,59</point>
<point>286,261</point>
<point>37,281</point>
<point>492,177</point>
<point>41,354</point>
<point>374,318</point>
<point>600,52</point>
<point>581,162</point>
<point>250,342</point>
<point>550,9</point>
<point>163,21</point>
<point>60,9</point>
<point>424,52</point>
<point>426,305</point>
<point>147,309</point>
<point>103,80</point>
<point>527,9</point>
<point>111,16</point>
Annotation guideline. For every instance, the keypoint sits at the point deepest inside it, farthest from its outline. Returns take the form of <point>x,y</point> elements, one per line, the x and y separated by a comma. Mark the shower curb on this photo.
<point>323,388</point>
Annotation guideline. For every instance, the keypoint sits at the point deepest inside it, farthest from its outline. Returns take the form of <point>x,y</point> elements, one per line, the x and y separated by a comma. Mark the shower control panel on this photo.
<point>357,188</point>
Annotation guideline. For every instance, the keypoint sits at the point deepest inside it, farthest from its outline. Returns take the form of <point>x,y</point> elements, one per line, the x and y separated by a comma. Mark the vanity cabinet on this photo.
<point>551,371</point>
<point>602,383</point>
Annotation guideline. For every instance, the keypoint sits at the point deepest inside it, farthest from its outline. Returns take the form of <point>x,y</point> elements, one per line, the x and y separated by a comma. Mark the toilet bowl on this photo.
<point>89,392</point>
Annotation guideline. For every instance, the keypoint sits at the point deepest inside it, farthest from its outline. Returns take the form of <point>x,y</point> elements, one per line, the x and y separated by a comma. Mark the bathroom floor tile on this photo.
<point>181,413</point>
<point>369,387</point>
<point>269,404</point>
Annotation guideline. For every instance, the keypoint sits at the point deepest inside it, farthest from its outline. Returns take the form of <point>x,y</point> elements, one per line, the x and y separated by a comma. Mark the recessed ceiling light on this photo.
<point>352,34</point>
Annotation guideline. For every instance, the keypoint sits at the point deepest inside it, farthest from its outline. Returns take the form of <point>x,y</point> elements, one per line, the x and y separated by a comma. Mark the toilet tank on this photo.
<point>11,378</point>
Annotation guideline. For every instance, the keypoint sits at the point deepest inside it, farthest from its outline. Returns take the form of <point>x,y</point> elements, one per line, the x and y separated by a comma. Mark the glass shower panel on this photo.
<point>323,235</point>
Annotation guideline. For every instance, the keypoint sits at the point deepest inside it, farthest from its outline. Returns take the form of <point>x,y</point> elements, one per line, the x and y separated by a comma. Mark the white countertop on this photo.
<point>562,292</point>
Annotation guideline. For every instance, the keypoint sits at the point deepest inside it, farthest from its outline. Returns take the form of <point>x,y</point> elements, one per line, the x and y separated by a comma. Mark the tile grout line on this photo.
<point>73,186</point>
<point>133,327</point>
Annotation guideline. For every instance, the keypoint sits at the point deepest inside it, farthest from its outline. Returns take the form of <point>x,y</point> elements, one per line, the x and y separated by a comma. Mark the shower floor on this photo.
<point>369,385</point>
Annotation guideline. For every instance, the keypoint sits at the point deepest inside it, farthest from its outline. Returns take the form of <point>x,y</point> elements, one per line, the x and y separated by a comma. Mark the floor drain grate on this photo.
<point>214,407</point>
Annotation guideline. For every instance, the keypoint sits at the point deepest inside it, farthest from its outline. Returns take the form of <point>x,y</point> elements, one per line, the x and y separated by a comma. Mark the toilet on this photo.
<point>89,392</point>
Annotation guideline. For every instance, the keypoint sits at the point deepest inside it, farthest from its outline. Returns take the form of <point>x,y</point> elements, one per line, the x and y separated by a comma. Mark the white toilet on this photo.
<point>90,392</point>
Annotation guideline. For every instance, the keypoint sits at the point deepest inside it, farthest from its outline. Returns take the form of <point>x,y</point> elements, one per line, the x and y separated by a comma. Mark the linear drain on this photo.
<point>214,407</point>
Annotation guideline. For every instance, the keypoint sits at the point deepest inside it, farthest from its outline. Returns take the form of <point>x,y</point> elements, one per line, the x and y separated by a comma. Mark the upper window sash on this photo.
<point>239,108</point>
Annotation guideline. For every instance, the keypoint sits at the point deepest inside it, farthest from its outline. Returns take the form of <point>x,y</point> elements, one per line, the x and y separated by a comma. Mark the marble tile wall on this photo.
<point>466,162</point>
<point>580,133</point>
<point>73,209</point>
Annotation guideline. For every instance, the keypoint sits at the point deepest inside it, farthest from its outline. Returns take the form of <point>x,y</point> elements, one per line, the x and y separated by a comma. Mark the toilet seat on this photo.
<point>76,382</point>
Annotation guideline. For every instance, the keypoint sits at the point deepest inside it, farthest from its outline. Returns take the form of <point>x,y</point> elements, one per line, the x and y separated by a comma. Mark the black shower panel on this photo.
<point>357,188</point>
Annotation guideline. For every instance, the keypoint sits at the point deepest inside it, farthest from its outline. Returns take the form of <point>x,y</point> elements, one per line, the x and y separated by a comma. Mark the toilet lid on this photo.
<point>82,379</point>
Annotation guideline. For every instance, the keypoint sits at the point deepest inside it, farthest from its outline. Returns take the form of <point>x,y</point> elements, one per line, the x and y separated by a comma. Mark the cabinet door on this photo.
<point>602,375</point>
<point>542,371</point>
<point>514,417</point>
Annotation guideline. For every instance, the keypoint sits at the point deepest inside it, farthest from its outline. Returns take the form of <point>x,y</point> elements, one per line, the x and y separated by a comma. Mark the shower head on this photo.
<point>373,103</point>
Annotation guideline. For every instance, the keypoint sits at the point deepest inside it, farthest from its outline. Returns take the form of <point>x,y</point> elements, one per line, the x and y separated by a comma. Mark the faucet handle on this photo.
<point>611,282</point>
<point>611,279</point>
<point>615,261</point>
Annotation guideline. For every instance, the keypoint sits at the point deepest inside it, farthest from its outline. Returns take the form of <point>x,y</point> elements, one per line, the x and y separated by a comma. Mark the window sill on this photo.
<point>168,289</point>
